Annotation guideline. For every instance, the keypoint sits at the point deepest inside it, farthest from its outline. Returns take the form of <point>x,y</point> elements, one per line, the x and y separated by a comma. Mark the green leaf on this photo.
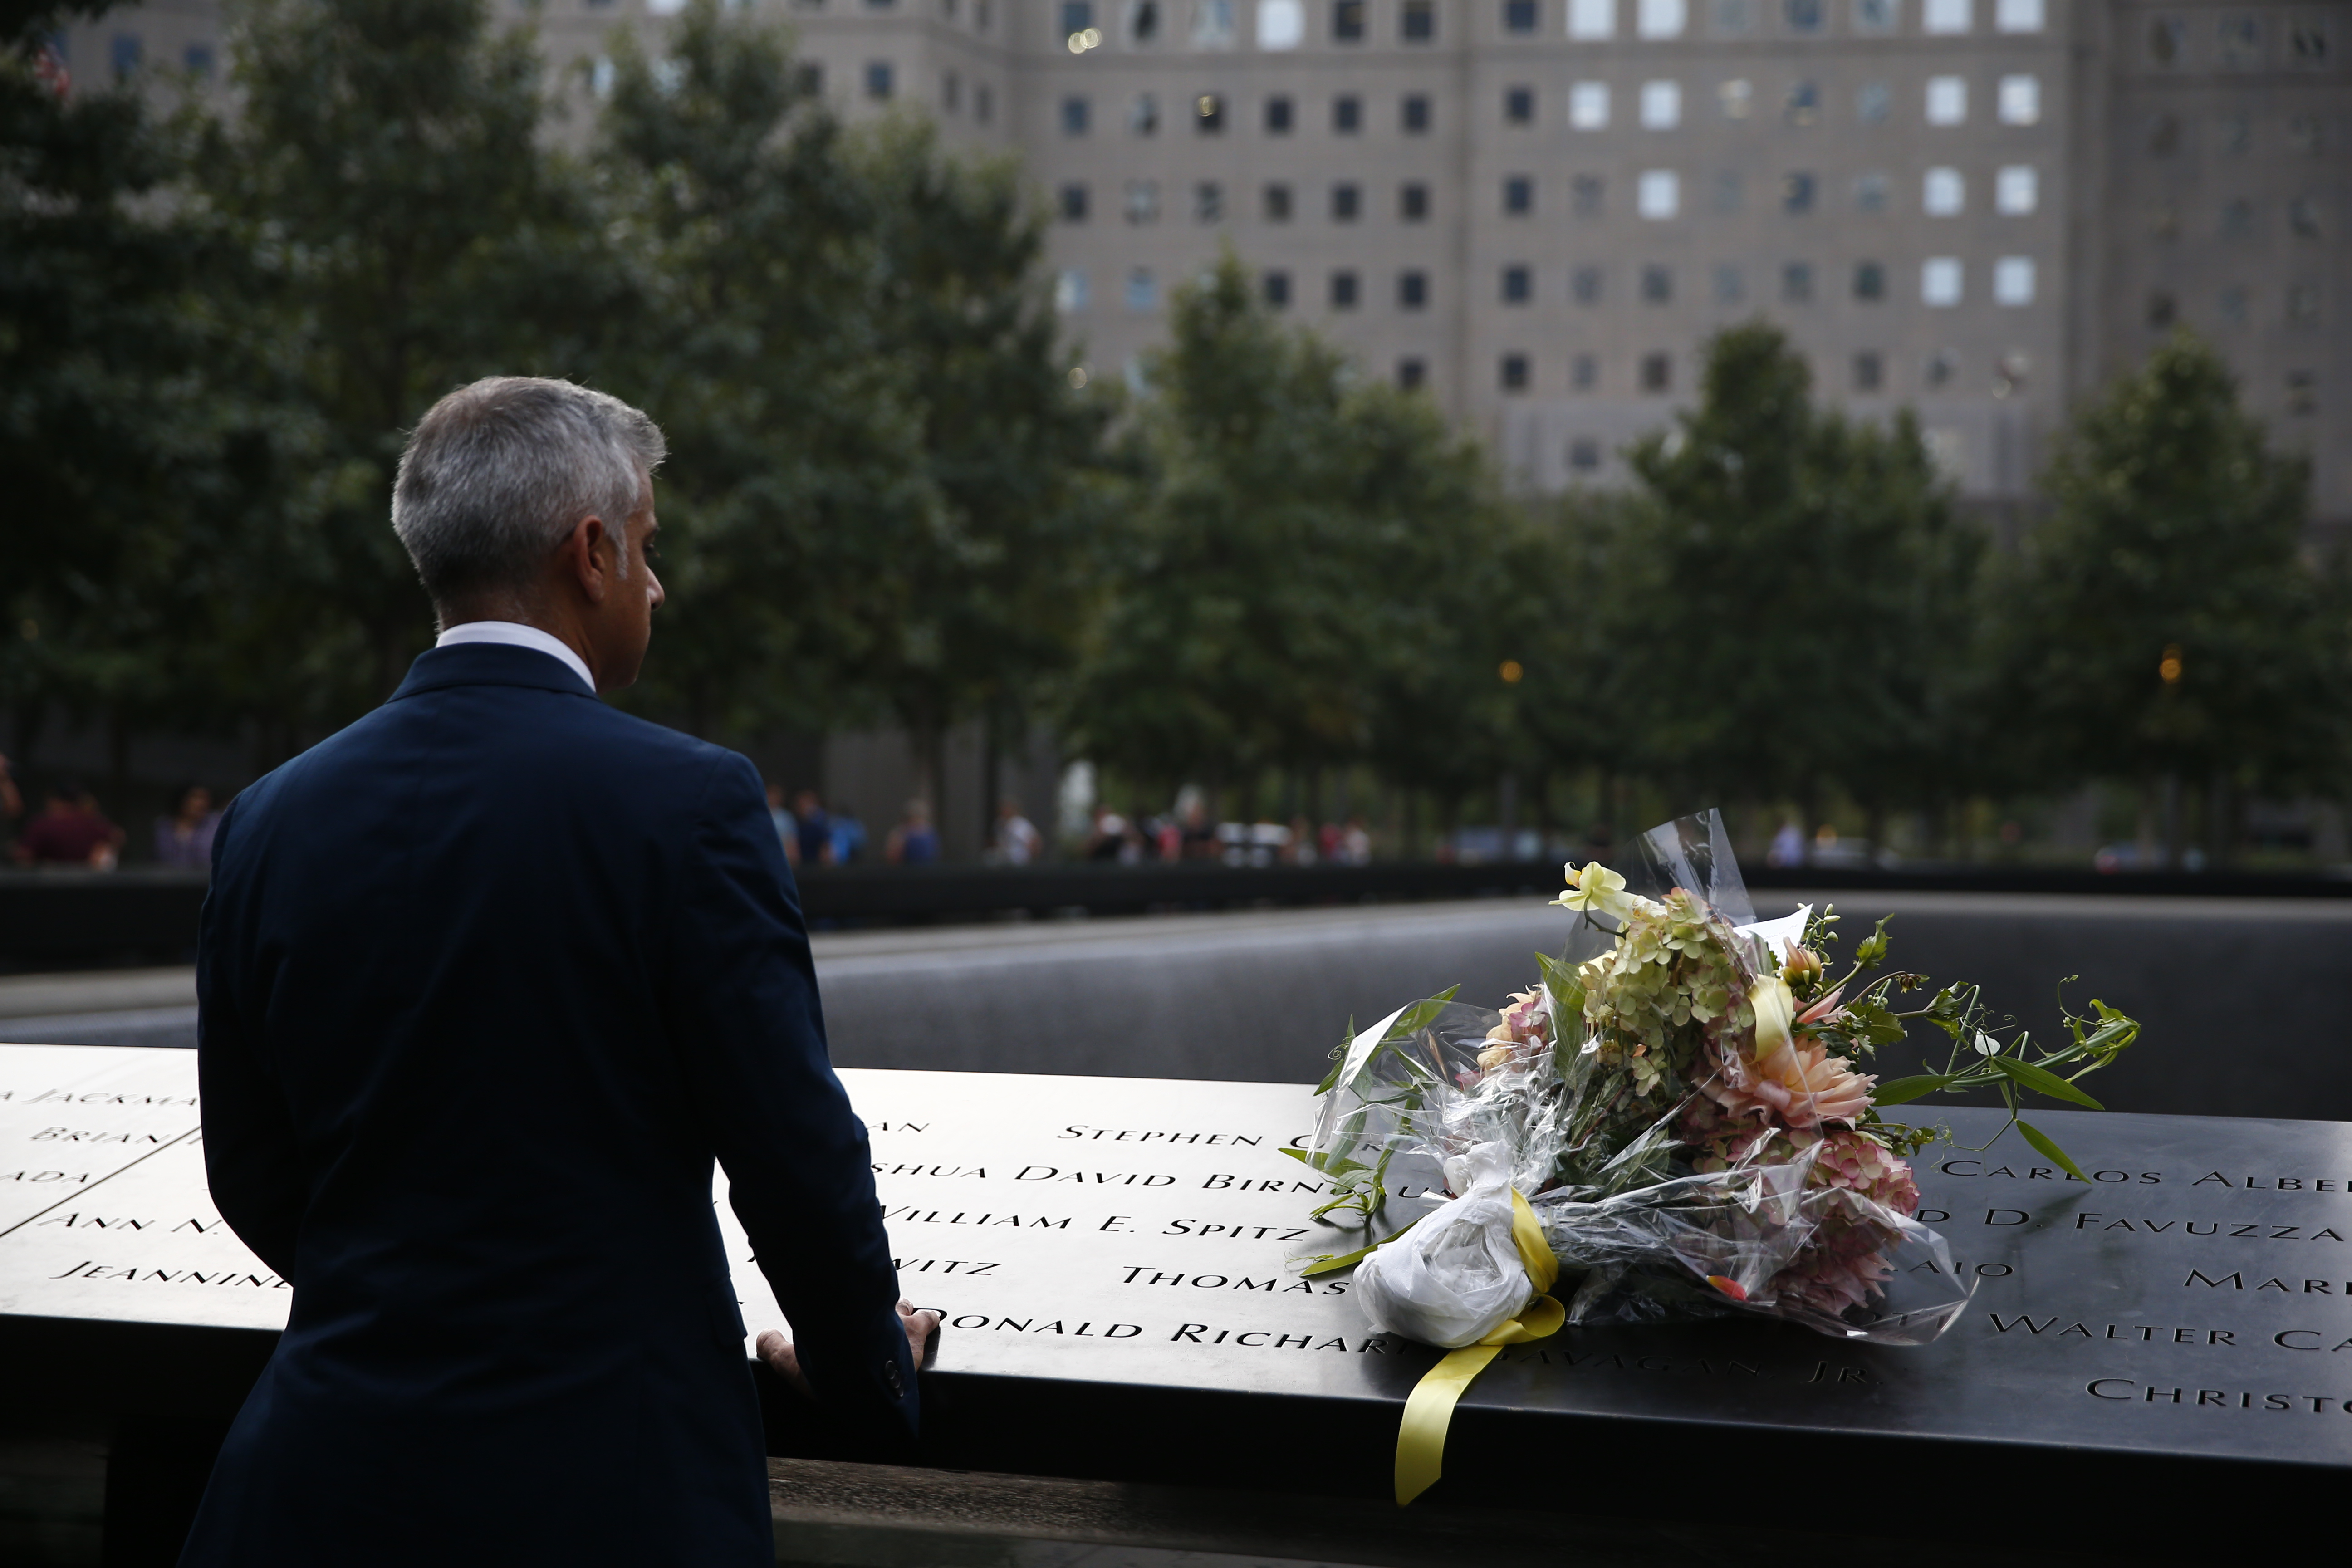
<point>1880,1026</point>
<point>1905,1090</point>
<point>2040,1082</point>
<point>2050,1151</point>
<point>1567,995</point>
<point>1347,1260</point>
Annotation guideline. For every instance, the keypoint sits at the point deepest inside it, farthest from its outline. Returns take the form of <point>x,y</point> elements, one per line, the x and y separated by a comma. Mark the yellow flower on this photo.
<point>1596,887</point>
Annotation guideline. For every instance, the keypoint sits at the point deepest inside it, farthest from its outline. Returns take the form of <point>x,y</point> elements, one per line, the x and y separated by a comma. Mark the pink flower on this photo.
<point>1795,1083</point>
<point>1860,1164</point>
<point>1523,1035</point>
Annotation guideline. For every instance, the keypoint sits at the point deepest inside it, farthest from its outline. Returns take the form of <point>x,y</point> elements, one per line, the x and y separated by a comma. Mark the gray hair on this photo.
<point>496,474</point>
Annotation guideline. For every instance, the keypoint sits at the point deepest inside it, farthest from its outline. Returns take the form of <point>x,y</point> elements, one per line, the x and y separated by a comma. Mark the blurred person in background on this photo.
<point>1196,833</point>
<point>71,831</point>
<point>184,840</point>
<point>848,834</point>
<point>787,831</point>
<point>1301,849</point>
<point>914,842</point>
<point>814,829</point>
<point>1017,838</point>
<point>1356,843</point>
<point>1107,835</point>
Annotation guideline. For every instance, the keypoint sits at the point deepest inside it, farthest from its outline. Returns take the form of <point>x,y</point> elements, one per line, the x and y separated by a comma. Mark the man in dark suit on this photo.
<point>488,980</point>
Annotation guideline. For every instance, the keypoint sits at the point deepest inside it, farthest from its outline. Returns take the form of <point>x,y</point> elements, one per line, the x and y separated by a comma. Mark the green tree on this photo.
<point>139,439</point>
<point>2163,624</point>
<point>1300,586</point>
<point>1790,603</point>
<point>387,171</point>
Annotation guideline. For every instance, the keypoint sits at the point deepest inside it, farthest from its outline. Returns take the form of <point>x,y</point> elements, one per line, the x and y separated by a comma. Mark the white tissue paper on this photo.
<point>1455,1276</point>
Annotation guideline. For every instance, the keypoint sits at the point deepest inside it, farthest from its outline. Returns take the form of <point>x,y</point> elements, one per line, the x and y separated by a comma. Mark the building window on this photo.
<point>2013,281</point>
<point>1208,201</point>
<point>1347,114</point>
<point>2234,133</point>
<point>1519,106</point>
<point>1275,286</point>
<point>1588,105</point>
<point>2019,99</point>
<point>2306,39</point>
<point>1583,455</point>
<point>1733,18</point>
<point>1661,18</point>
<point>1142,201</point>
<point>1347,21</point>
<point>2241,41</point>
<point>1275,201</point>
<point>2302,392</point>
<point>1731,285</point>
<point>1657,285</point>
<point>2160,309</point>
<point>1518,196</point>
<point>124,54</point>
<point>1078,15</point>
<point>1278,116</point>
<point>1143,22</point>
<point>2017,16</point>
<point>1419,21</point>
<point>2016,190</point>
<point>198,59</point>
<point>1416,114</point>
<point>880,80</point>
<point>1804,106</point>
<point>1944,16</point>
<point>1212,24</point>
<point>1584,285</point>
<point>984,103</point>
<point>1943,193</point>
<point>1875,16</point>
<point>1281,24</point>
<point>1948,100</point>
<point>1514,373</point>
<point>1592,18</point>
<point>1412,374</point>
<point>1412,203</point>
<point>1412,290</point>
<point>1939,281</point>
<point>1870,192</point>
<point>2238,219</point>
<point>2232,304</point>
<point>951,92</point>
<point>1804,15</point>
<point>2302,217</point>
<point>1659,195</point>
<point>808,79</point>
<point>1796,283</point>
<point>1939,369</point>
<point>1584,194</point>
<point>1074,203</point>
<point>1519,15</point>
<point>1658,373</point>
<point>1209,113</point>
<point>1797,193</point>
<point>1869,281</point>
<point>1142,291</point>
<point>1736,98</point>
<point>1583,372</point>
<point>1662,105</point>
<point>1869,372</point>
<point>1872,100</point>
<point>1347,203</point>
<point>1343,290</point>
<point>1070,291</point>
<point>2163,136</point>
<point>1074,117</point>
<point>1518,286</point>
<point>1143,114</point>
<point>1728,190</point>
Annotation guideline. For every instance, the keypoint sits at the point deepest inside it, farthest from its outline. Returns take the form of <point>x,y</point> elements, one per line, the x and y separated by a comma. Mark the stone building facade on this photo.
<point>1538,209</point>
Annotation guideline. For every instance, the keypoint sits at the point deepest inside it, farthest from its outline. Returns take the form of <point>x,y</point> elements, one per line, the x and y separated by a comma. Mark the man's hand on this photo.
<point>778,1353</point>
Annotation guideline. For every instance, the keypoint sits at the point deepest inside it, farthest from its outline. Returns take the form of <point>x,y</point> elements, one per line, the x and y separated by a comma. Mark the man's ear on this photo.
<point>586,551</point>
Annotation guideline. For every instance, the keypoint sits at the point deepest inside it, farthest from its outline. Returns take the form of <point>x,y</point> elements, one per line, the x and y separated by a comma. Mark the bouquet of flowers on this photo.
<point>1671,1124</point>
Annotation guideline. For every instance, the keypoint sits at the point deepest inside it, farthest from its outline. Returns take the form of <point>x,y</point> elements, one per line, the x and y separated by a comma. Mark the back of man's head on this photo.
<point>496,474</point>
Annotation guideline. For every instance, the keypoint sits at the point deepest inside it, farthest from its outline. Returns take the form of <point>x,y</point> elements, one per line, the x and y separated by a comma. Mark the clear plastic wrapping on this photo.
<point>1666,1102</point>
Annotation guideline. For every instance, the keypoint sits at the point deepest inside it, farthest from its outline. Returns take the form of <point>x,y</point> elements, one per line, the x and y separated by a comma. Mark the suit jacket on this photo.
<point>487,980</point>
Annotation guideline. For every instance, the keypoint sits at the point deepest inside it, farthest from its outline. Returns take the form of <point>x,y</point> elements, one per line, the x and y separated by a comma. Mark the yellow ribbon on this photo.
<point>1421,1438</point>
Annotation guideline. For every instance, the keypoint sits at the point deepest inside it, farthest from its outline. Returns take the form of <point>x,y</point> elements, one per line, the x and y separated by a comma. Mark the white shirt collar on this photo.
<point>514,633</point>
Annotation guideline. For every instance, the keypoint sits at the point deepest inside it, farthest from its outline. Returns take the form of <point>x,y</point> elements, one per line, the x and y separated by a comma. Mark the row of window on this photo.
<point>2235,306</point>
<point>126,52</point>
<point>1943,193</point>
<point>1942,280</point>
<point>1658,105</point>
<point>1284,24</point>
<point>2233,134</point>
